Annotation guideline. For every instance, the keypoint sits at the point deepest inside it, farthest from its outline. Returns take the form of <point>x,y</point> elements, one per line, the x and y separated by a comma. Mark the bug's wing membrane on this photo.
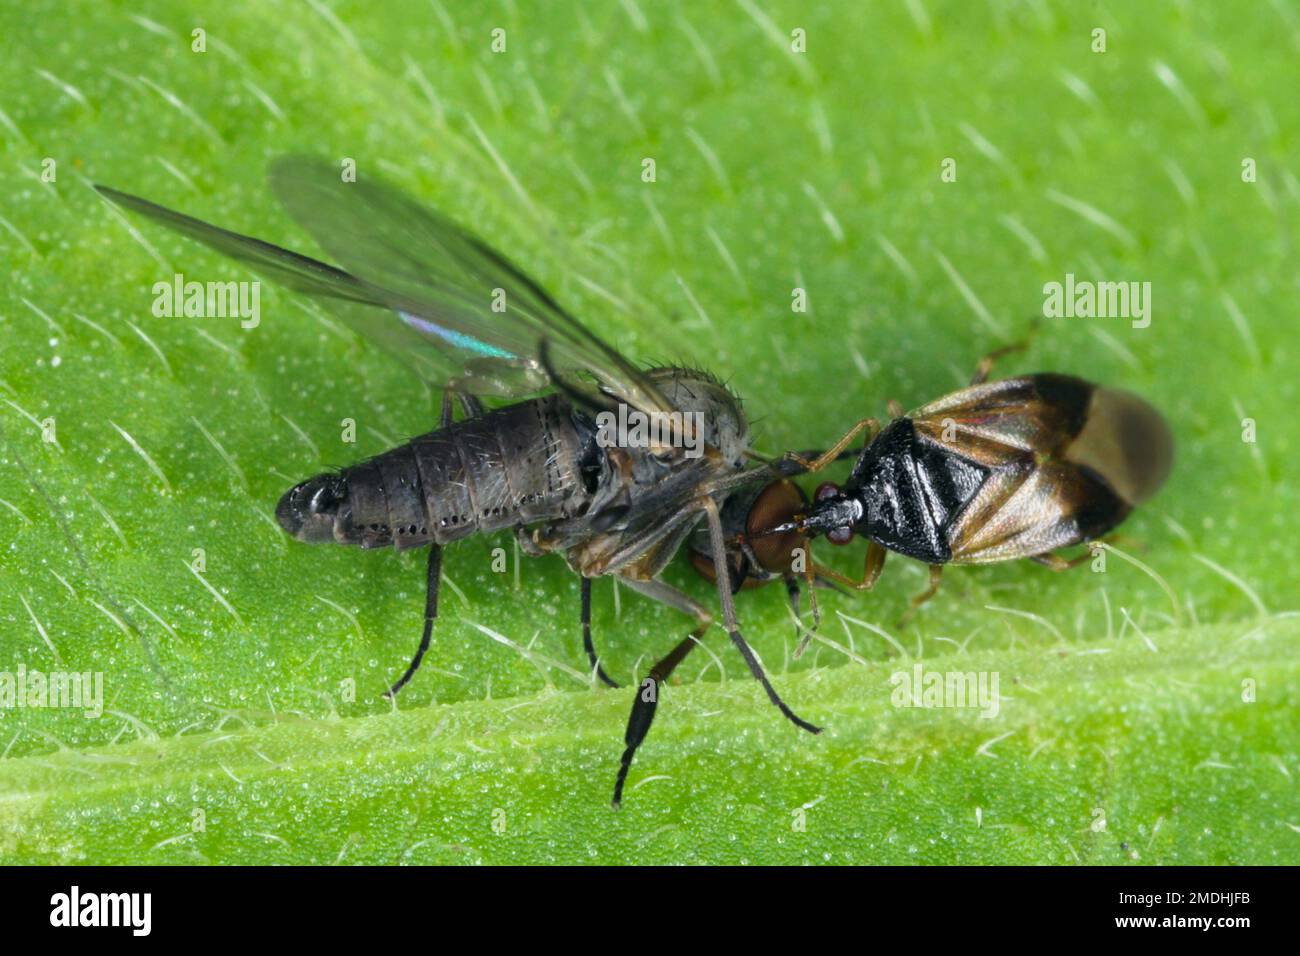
<point>445,281</point>
<point>363,307</point>
<point>1036,499</point>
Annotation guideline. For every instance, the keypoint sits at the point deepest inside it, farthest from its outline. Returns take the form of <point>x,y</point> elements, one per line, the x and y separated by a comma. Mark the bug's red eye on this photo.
<point>840,535</point>
<point>827,489</point>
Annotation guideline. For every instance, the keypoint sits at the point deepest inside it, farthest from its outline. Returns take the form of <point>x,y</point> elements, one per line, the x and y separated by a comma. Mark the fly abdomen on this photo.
<point>364,518</point>
<point>510,467</point>
<point>445,488</point>
<point>522,463</point>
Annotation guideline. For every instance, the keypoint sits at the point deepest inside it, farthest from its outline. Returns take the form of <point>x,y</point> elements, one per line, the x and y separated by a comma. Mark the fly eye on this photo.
<point>840,535</point>
<point>827,489</point>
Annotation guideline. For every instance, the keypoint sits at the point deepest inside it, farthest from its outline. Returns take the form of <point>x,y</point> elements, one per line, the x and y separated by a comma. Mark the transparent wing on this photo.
<point>432,307</point>
<point>474,365</point>
<point>445,282</point>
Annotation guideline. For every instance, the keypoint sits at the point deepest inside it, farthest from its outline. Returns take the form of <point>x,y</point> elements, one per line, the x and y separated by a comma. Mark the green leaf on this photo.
<point>1158,698</point>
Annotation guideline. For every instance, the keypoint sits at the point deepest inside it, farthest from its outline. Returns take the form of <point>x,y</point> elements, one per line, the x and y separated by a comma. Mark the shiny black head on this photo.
<point>310,510</point>
<point>835,513</point>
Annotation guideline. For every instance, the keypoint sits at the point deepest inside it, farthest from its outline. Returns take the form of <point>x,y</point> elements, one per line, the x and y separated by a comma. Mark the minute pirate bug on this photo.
<point>423,286</point>
<point>1018,468</point>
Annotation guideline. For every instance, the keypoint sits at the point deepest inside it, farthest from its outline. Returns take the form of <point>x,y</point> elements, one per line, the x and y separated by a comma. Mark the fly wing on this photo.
<point>445,282</point>
<point>476,366</point>
<point>419,285</point>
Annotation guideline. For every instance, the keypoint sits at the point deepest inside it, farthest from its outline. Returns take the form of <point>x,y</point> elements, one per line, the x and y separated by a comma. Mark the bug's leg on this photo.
<point>936,574</point>
<point>430,614</point>
<point>870,425</point>
<point>1057,563</point>
<point>985,365</point>
<point>718,545</point>
<point>871,568</point>
<point>586,635</point>
<point>894,407</point>
<point>643,711</point>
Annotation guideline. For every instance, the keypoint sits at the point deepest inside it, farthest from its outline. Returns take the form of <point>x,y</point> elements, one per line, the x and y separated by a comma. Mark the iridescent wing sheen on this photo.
<point>445,282</point>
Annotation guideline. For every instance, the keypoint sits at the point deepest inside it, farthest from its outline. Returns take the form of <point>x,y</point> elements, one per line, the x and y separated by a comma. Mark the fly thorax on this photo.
<point>711,415</point>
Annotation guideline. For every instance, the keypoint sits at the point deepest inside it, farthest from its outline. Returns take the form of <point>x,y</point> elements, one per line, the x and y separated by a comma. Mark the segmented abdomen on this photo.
<point>506,468</point>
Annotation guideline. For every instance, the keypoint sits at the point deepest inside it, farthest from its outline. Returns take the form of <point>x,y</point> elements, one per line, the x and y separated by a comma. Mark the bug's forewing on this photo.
<point>1062,457</point>
<point>443,279</point>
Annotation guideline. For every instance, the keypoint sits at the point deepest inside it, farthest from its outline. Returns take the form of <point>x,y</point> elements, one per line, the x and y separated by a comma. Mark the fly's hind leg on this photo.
<point>586,635</point>
<point>936,575</point>
<point>647,696</point>
<point>434,578</point>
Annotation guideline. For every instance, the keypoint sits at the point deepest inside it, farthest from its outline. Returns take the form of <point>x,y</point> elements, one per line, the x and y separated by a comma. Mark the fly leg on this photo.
<point>647,696</point>
<point>471,407</point>
<point>802,635</point>
<point>430,614</point>
<point>643,711</point>
<point>870,425</point>
<point>586,635</point>
<point>936,573</point>
<point>469,404</point>
<point>718,544</point>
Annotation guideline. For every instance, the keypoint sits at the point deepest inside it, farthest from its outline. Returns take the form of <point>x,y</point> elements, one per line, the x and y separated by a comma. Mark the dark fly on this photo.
<point>474,323</point>
<point>1018,468</point>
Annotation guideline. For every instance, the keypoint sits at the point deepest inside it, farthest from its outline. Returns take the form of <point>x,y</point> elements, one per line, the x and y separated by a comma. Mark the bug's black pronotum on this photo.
<point>418,283</point>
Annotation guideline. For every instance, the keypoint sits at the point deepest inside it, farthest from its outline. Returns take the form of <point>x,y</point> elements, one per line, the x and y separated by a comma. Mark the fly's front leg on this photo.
<point>647,696</point>
<point>586,635</point>
<point>719,546</point>
<point>802,635</point>
<point>870,425</point>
